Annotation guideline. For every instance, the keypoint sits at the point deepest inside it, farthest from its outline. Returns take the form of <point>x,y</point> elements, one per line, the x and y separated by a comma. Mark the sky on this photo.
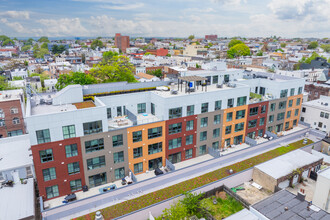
<point>165,18</point>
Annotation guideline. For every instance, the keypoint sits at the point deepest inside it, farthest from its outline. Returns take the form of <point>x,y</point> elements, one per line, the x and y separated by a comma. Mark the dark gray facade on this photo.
<point>276,125</point>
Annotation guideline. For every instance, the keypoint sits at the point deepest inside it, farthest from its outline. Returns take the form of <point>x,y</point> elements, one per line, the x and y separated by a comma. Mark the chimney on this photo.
<point>301,195</point>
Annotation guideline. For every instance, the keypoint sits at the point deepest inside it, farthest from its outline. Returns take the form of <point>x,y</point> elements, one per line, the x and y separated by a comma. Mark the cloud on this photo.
<point>15,14</point>
<point>63,27</point>
<point>229,2</point>
<point>123,6</point>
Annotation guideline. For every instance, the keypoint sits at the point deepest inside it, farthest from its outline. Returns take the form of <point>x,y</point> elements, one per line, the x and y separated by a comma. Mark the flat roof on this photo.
<point>15,152</point>
<point>323,102</point>
<point>8,95</point>
<point>244,214</point>
<point>273,207</point>
<point>285,164</point>
<point>325,173</point>
<point>19,201</point>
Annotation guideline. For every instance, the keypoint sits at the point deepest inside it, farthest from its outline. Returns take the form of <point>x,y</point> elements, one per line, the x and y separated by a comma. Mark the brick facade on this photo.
<point>13,117</point>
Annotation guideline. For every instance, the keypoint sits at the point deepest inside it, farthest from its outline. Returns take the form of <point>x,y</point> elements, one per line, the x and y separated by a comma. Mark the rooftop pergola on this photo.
<point>194,79</point>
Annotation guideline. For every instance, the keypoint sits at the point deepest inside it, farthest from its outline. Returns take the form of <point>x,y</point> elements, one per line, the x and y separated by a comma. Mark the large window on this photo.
<point>75,185</point>
<point>118,157</point>
<point>138,168</point>
<point>228,129</point>
<point>49,174</point>
<point>217,105</point>
<point>241,101</point>
<point>271,119</point>
<point>205,107</point>
<point>174,143</point>
<point>120,173</point>
<point>154,132</point>
<point>216,132</point>
<point>203,122</point>
<point>97,180</point>
<point>141,108</point>
<point>94,145</point>
<point>189,153</point>
<point>109,113</point>
<point>282,105</point>
<point>254,111</point>
<point>189,139</point>
<point>215,145</point>
<point>229,116</point>
<point>92,127</point>
<point>215,79</point>
<point>252,123</point>
<point>190,110</point>
<point>14,133</point>
<point>155,148</point>
<point>96,162</point>
<point>154,163</point>
<point>239,127</point>
<point>69,131</point>
<point>263,109</point>
<point>217,119</point>
<point>52,191</point>
<point>284,93</point>
<point>292,92</point>
<point>272,107</point>
<point>300,90</point>
<point>230,103</point>
<point>288,114</point>
<point>153,109</point>
<point>240,114</point>
<point>73,168</point>
<point>202,150</point>
<point>137,136</point>
<point>71,150</point>
<point>298,101</point>
<point>296,112</point>
<point>175,113</point>
<point>203,136</point>
<point>137,152</point>
<point>280,116</point>
<point>238,139</point>
<point>46,155</point>
<point>117,140</point>
<point>190,125</point>
<point>290,103</point>
<point>43,136</point>
<point>261,121</point>
<point>175,128</point>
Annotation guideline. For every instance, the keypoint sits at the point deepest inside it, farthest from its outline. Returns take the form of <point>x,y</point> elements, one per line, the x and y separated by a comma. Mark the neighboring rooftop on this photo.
<point>325,173</point>
<point>9,95</point>
<point>323,102</point>
<point>272,76</point>
<point>87,104</point>
<point>244,214</point>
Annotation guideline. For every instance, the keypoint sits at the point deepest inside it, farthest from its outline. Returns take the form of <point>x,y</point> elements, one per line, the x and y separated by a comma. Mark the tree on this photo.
<point>191,37</point>
<point>39,52</point>
<point>26,48</point>
<point>74,78</point>
<point>109,55</point>
<point>44,46</point>
<point>313,45</point>
<point>42,76</point>
<point>58,49</point>
<point>233,42</point>
<point>17,78</point>
<point>8,42</point>
<point>96,43</point>
<point>326,47</point>
<point>191,202</point>
<point>29,41</point>
<point>238,50</point>
<point>309,59</point>
<point>158,73</point>
<point>43,39</point>
<point>3,37</point>
<point>283,45</point>
<point>260,53</point>
<point>4,84</point>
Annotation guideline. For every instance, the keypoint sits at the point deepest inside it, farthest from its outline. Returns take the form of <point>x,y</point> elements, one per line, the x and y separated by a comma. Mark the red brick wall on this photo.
<point>60,163</point>
<point>6,106</point>
<point>258,117</point>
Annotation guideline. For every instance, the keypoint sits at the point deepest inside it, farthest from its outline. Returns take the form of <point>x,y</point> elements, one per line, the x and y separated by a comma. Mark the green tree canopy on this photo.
<point>43,39</point>
<point>44,46</point>
<point>28,42</point>
<point>313,45</point>
<point>283,45</point>
<point>157,73</point>
<point>4,84</point>
<point>8,42</point>
<point>238,50</point>
<point>326,47</point>
<point>191,37</point>
<point>3,37</point>
<point>39,52</point>
<point>74,78</point>
<point>109,55</point>
<point>309,59</point>
<point>233,42</point>
<point>57,49</point>
<point>26,48</point>
<point>96,43</point>
<point>260,53</point>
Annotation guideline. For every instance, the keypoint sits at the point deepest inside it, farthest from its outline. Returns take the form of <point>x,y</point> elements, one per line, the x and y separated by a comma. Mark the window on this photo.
<point>287,125</point>
<point>175,128</point>
<point>69,131</point>
<point>326,115</point>
<point>320,124</point>
<point>119,111</point>
<point>138,168</point>
<point>205,107</point>
<point>46,155</point>
<point>295,122</point>
<point>43,136</point>
<point>215,80</point>
<point>97,180</point>
<point>263,109</point>
<point>203,136</point>
<point>16,121</point>
<point>290,103</point>
<point>261,121</point>
<point>272,107</point>
<point>241,101</point>
<point>120,173</point>
<point>190,110</point>
<point>14,111</point>
<point>52,191</point>
<point>298,101</point>
<point>262,91</point>
<point>217,105</point>
<point>117,140</point>
<point>229,116</point>
<point>284,93</point>
<point>71,150</point>
<point>292,92</point>
<point>302,119</point>
<point>252,123</point>
<point>49,174</point>
<point>203,122</point>
<point>14,133</point>
<point>252,135</point>
<point>175,113</point>
<point>303,109</point>
<point>154,132</point>
<point>92,127</point>
<point>215,145</point>
<point>296,112</point>
<point>282,105</point>
<point>75,185</point>
<point>155,148</point>
<point>300,90</point>
<point>260,132</point>
<point>227,142</point>
<point>141,108</point>
<point>270,128</point>
<point>118,157</point>
<point>217,119</point>
<point>96,162</point>
<point>240,114</point>
<point>2,114</point>
<point>73,168</point>
<point>189,125</point>
<point>238,139</point>
<point>94,145</point>
<point>174,143</point>
<point>109,113</point>
<point>189,139</point>
<point>153,109</point>
<point>2,122</point>
<point>230,103</point>
<point>137,136</point>
<point>288,114</point>
<point>189,153</point>
<point>137,152</point>
<point>254,111</point>
<point>216,132</point>
<point>228,129</point>
<point>154,163</point>
<point>280,116</point>
<point>239,127</point>
<point>202,150</point>
<point>271,119</point>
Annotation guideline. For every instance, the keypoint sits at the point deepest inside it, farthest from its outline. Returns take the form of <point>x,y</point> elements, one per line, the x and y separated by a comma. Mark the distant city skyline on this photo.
<point>168,18</point>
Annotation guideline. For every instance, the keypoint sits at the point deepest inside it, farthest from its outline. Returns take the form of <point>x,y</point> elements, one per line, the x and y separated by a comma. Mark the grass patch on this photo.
<point>255,95</point>
<point>177,189</point>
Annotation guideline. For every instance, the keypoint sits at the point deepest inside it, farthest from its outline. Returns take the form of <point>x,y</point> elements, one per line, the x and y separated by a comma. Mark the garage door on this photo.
<point>284,184</point>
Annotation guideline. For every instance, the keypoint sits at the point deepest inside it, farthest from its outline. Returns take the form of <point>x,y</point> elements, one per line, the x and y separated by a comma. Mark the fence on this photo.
<point>245,203</point>
<point>319,134</point>
<point>250,141</point>
<point>170,165</point>
<point>304,123</point>
<point>270,134</point>
<point>214,152</point>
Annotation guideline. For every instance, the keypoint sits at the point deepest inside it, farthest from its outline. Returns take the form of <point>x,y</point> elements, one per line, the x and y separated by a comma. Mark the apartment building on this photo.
<point>122,42</point>
<point>77,142</point>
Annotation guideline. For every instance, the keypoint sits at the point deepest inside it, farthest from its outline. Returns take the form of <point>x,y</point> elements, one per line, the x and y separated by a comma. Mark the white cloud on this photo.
<point>123,6</point>
<point>15,14</point>
<point>63,27</point>
<point>229,2</point>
